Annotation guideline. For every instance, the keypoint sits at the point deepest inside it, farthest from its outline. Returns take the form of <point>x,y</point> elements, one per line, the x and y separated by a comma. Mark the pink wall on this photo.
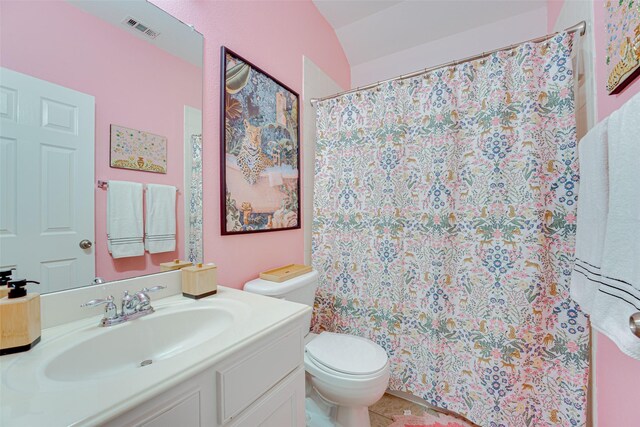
<point>274,35</point>
<point>140,86</point>
<point>616,374</point>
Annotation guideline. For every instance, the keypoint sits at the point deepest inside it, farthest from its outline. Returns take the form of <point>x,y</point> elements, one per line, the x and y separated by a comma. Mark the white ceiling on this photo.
<point>175,37</point>
<point>370,29</point>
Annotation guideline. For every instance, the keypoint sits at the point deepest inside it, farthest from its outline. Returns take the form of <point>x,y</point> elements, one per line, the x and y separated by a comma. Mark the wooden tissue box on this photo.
<point>199,281</point>
<point>174,265</point>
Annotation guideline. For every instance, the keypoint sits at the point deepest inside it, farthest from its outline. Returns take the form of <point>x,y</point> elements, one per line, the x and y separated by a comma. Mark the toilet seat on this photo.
<point>317,369</point>
<point>346,356</point>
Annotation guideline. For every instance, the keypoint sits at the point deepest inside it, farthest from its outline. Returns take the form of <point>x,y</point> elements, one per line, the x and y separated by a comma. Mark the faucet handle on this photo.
<point>143,297</point>
<point>153,289</point>
<point>98,301</point>
<point>110,309</point>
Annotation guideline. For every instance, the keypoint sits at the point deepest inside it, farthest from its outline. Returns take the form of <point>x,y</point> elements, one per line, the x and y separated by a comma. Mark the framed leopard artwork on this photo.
<point>259,150</point>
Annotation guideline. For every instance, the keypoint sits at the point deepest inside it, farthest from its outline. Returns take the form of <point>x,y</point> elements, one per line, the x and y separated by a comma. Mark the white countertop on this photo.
<point>28,398</point>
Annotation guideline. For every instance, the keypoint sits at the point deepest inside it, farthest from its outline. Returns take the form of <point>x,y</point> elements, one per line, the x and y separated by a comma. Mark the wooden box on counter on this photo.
<point>19,323</point>
<point>199,281</point>
<point>174,265</point>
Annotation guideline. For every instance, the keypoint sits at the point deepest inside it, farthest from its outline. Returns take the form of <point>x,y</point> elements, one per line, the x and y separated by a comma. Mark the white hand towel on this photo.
<point>619,295</point>
<point>160,221</point>
<point>593,204</point>
<point>124,219</point>
<point>606,277</point>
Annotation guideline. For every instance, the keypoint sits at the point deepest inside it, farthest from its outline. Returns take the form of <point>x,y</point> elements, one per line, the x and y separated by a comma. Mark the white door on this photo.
<point>46,181</point>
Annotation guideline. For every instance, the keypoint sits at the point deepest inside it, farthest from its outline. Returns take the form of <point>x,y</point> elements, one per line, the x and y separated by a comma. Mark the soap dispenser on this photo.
<point>19,318</point>
<point>5,278</point>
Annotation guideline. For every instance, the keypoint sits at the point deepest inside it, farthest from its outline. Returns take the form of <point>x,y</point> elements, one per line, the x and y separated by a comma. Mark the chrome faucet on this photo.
<point>111,316</point>
<point>128,305</point>
<point>132,306</point>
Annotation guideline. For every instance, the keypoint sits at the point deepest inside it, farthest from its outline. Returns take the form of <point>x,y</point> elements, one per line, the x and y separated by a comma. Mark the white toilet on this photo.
<point>345,373</point>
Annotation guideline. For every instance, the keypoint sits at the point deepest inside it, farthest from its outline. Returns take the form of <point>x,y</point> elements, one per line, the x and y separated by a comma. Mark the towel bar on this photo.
<point>105,184</point>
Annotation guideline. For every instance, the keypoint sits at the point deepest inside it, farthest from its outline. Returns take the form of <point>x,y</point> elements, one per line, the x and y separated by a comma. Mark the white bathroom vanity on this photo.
<point>232,359</point>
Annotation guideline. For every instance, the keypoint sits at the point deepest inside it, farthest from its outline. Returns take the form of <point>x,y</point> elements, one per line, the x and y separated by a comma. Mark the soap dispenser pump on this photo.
<point>19,318</point>
<point>5,278</point>
<point>17,288</point>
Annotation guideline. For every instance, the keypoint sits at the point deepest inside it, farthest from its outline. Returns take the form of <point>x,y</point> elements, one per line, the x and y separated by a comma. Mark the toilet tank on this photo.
<point>301,289</point>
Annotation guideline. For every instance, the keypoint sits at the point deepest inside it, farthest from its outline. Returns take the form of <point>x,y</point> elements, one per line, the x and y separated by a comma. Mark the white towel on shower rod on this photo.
<point>620,297</point>
<point>124,219</point>
<point>593,206</point>
<point>160,222</point>
<point>616,278</point>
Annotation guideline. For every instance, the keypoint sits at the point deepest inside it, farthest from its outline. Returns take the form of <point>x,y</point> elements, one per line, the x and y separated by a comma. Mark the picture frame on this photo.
<point>622,59</point>
<point>137,150</point>
<point>259,149</point>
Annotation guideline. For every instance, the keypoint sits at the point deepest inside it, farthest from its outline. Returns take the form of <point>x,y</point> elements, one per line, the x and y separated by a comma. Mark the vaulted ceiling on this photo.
<point>370,29</point>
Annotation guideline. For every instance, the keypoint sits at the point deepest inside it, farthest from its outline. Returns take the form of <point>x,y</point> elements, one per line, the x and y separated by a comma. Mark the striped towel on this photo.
<point>124,219</point>
<point>160,221</point>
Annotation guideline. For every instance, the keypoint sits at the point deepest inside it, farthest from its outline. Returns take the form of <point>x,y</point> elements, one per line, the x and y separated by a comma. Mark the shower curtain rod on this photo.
<point>581,27</point>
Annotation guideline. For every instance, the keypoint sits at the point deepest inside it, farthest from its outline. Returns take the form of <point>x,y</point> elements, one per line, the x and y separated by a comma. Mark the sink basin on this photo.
<point>138,343</point>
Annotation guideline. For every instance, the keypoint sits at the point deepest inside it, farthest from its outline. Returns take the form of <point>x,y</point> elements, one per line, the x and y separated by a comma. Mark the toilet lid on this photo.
<point>347,353</point>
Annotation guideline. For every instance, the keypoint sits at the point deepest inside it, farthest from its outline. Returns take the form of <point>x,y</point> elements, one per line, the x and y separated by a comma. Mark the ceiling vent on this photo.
<point>134,23</point>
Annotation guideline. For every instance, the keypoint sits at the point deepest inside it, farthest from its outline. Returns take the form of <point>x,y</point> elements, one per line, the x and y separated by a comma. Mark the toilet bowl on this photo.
<point>345,374</point>
<point>348,372</point>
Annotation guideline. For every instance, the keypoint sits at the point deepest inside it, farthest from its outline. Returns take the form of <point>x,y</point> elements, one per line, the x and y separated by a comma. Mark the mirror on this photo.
<point>70,70</point>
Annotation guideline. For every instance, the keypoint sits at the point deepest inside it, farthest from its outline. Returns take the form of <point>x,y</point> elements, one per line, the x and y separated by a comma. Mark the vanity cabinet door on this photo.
<point>186,405</point>
<point>253,372</point>
<point>283,406</point>
<point>184,413</point>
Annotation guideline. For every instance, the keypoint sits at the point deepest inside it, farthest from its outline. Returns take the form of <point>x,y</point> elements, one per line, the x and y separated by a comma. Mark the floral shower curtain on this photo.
<point>444,223</point>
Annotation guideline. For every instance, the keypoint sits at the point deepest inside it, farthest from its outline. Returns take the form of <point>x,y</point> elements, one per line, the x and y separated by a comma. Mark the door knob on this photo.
<point>85,244</point>
<point>634,324</point>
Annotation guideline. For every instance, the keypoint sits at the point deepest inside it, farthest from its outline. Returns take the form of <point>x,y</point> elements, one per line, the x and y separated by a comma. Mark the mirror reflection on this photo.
<point>70,72</point>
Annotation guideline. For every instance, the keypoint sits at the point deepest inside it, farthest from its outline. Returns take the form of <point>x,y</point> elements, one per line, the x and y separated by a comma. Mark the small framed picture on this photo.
<point>259,150</point>
<point>138,150</point>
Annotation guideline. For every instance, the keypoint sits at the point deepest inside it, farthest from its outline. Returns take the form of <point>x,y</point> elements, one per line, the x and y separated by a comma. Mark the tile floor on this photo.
<point>381,413</point>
